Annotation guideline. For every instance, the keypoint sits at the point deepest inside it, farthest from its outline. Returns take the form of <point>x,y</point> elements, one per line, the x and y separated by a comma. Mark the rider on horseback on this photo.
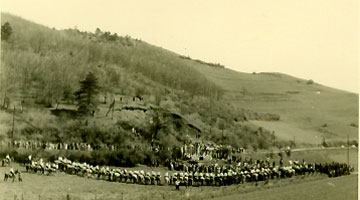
<point>12,172</point>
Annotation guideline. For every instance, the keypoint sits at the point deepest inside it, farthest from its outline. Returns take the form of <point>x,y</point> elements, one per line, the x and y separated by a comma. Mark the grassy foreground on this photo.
<point>60,185</point>
<point>345,188</point>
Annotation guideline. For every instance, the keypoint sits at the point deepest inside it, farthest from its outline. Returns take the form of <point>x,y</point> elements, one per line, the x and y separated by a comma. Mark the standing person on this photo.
<point>171,166</point>
<point>30,157</point>
<point>20,178</point>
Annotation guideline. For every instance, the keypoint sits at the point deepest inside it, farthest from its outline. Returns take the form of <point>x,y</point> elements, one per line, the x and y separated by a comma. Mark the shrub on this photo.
<point>324,143</point>
<point>354,142</point>
<point>354,125</point>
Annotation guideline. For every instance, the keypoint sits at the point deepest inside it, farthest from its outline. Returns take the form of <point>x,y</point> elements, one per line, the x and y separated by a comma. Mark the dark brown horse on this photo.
<point>10,175</point>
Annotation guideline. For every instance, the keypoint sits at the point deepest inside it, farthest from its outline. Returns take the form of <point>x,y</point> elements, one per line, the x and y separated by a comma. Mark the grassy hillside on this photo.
<point>309,111</point>
<point>41,69</point>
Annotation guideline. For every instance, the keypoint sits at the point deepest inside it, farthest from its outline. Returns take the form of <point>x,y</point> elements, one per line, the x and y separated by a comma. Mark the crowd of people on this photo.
<point>76,146</point>
<point>192,174</point>
<point>208,151</point>
<point>81,146</point>
<point>193,151</point>
<point>34,145</point>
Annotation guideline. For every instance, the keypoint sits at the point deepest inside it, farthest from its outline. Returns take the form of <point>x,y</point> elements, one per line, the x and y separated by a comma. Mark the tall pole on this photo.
<point>348,149</point>
<point>112,114</point>
<point>13,124</point>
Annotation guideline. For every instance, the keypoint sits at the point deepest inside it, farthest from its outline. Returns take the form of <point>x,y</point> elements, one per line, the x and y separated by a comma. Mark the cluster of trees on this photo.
<point>203,62</point>
<point>45,63</point>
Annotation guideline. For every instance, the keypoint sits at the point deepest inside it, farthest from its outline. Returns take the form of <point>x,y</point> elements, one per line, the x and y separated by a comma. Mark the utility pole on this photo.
<point>13,124</point>
<point>348,149</point>
<point>112,114</point>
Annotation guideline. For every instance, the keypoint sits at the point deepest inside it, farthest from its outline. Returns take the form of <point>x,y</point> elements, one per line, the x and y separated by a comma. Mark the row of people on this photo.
<point>179,165</point>
<point>222,176</point>
<point>193,174</point>
<point>80,146</point>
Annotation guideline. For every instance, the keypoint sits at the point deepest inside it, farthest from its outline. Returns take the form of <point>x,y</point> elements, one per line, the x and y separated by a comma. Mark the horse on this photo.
<point>134,178</point>
<point>190,180</point>
<point>10,175</point>
<point>218,180</point>
<point>158,179</point>
<point>153,179</point>
<point>5,161</point>
<point>208,180</point>
<point>202,179</point>
<point>141,179</point>
<point>167,179</point>
<point>28,167</point>
<point>147,179</point>
<point>49,170</point>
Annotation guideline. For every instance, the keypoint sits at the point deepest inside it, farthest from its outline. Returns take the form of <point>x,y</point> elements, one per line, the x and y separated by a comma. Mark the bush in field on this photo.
<point>354,125</point>
<point>6,31</point>
<point>310,82</point>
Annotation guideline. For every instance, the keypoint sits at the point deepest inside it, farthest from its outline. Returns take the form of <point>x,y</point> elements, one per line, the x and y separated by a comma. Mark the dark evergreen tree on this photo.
<point>87,99</point>
<point>6,31</point>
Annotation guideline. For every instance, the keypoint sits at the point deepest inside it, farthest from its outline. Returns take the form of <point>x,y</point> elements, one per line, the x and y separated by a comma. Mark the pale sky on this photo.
<point>310,39</point>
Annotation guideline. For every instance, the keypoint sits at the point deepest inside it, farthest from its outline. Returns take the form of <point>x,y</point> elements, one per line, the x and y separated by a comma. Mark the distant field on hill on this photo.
<point>304,108</point>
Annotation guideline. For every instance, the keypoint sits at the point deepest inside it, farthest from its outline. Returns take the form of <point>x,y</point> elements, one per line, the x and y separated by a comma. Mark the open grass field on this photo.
<point>304,109</point>
<point>345,188</point>
<point>59,185</point>
<point>287,131</point>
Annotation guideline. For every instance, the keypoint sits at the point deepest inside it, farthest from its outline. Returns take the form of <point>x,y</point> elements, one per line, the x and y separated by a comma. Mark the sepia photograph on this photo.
<point>179,99</point>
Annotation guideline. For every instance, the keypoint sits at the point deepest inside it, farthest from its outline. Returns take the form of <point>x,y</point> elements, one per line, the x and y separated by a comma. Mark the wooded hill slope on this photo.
<point>42,67</point>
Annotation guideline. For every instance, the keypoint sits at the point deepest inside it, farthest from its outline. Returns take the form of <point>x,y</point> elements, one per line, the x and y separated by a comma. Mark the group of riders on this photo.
<point>12,173</point>
<point>191,174</point>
